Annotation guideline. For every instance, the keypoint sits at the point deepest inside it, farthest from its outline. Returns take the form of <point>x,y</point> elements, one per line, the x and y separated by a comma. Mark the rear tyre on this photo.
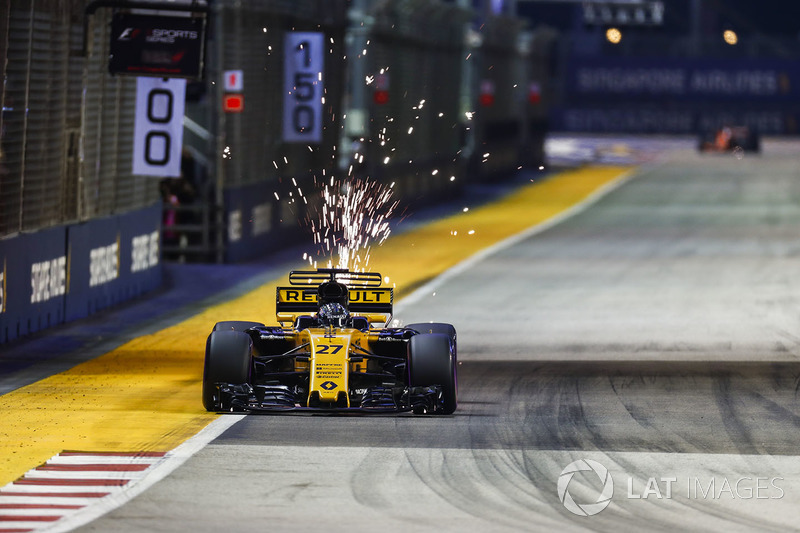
<point>235,325</point>
<point>432,359</point>
<point>227,361</point>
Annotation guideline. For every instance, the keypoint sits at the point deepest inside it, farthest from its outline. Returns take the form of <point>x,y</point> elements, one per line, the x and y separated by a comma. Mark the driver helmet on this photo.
<point>333,314</point>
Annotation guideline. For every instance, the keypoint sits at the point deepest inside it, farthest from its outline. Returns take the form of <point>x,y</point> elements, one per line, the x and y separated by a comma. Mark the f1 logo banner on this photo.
<point>302,87</point>
<point>158,130</point>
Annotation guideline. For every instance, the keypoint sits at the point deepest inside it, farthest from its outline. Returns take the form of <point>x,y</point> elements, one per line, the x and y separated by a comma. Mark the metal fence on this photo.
<point>66,125</point>
<point>107,184</point>
<point>405,120</point>
<point>252,41</point>
<point>39,105</point>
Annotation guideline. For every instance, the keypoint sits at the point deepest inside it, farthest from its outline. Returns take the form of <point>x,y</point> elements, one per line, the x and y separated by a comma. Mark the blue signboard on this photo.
<point>683,79</point>
<point>672,95</point>
<point>67,272</point>
<point>35,279</point>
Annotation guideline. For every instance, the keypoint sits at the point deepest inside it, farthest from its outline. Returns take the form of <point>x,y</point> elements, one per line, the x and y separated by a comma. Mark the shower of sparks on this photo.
<point>354,217</point>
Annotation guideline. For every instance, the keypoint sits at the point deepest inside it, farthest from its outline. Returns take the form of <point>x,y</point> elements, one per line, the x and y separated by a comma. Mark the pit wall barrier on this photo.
<point>68,272</point>
<point>257,222</point>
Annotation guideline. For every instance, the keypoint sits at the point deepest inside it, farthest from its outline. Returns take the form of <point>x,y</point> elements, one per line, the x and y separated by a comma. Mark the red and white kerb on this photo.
<point>68,484</point>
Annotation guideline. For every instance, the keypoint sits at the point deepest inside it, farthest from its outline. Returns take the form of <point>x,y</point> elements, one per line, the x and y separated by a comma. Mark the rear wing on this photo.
<point>304,301</point>
<point>313,278</point>
<point>366,297</point>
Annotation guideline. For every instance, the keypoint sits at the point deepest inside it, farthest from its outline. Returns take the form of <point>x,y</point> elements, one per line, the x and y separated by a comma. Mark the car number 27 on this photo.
<point>331,349</point>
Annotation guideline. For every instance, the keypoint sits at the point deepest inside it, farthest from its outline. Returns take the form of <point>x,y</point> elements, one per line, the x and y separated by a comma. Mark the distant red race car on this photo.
<point>730,138</point>
<point>328,355</point>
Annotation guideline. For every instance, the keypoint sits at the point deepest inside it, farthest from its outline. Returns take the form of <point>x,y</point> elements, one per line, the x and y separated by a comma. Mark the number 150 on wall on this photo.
<point>303,84</point>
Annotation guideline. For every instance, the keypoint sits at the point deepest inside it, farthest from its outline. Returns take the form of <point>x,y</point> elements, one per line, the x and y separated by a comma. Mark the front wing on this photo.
<point>245,397</point>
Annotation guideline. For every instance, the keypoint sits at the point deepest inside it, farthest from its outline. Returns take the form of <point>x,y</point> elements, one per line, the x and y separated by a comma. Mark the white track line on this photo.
<point>31,512</point>
<point>53,489</point>
<point>34,498</point>
<point>23,525</point>
<point>99,459</point>
<point>38,474</point>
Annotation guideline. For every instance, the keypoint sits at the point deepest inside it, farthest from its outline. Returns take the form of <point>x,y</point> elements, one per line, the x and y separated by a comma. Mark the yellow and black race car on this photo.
<point>331,352</point>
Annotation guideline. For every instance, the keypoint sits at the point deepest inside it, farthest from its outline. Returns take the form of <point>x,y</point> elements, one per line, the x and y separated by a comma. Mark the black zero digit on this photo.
<point>148,142</point>
<point>151,107</point>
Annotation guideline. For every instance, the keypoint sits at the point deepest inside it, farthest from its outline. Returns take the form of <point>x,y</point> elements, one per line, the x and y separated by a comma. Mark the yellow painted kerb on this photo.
<point>145,395</point>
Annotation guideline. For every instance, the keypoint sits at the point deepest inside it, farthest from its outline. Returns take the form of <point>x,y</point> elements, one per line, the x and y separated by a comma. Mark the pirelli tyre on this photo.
<point>227,361</point>
<point>435,327</point>
<point>432,361</point>
<point>235,325</point>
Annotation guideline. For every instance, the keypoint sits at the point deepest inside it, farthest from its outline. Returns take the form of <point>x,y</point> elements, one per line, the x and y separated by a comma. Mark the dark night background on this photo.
<point>746,17</point>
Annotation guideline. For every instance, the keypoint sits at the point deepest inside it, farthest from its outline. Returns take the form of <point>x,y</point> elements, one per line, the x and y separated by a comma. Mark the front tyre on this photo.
<point>227,361</point>
<point>432,361</point>
<point>435,327</point>
<point>235,325</point>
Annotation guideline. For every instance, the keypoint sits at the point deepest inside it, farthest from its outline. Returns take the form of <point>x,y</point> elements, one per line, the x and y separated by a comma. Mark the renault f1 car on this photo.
<point>331,352</point>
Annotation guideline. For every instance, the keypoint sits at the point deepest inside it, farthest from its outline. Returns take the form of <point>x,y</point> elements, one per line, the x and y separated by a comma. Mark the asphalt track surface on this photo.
<point>655,333</point>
